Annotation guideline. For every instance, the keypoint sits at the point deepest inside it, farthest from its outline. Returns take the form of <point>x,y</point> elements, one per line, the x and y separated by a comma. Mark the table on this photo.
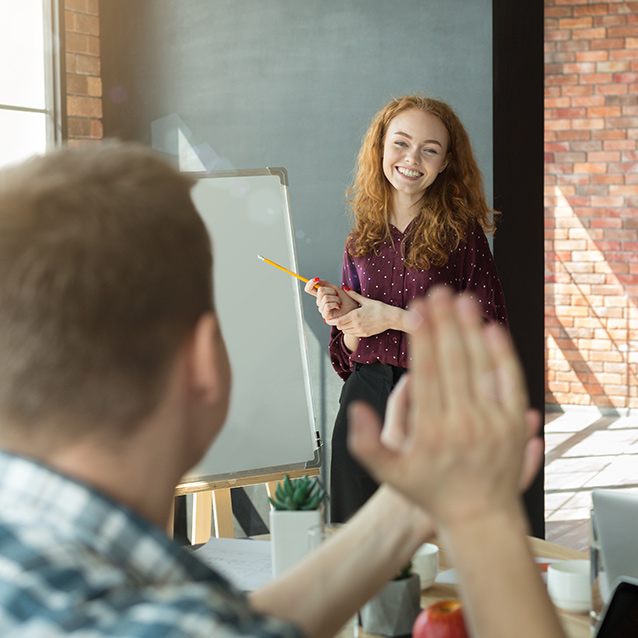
<point>575,625</point>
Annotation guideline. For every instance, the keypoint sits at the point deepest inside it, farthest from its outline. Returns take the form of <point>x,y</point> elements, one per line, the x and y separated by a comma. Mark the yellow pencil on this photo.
<point>294,274</point>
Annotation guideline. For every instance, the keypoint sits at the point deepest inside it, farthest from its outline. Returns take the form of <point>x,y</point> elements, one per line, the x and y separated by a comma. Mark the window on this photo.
<point>27,113</point>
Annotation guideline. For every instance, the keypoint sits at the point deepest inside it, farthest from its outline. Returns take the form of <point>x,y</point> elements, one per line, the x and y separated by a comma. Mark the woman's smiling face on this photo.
<point>415,151</point>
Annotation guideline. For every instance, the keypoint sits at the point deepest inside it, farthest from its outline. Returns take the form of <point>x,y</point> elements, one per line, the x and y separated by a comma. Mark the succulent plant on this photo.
<point>298,494</point>
<point>405,572</point>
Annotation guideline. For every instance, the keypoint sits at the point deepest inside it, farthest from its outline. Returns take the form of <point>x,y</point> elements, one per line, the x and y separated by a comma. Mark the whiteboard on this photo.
<point>271,421</point>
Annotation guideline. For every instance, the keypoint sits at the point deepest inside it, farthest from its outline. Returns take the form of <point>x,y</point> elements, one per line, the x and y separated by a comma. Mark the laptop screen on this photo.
<point>620,618</point>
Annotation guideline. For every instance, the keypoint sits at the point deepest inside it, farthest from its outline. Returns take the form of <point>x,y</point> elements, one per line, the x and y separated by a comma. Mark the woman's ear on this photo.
<point>448,159</point>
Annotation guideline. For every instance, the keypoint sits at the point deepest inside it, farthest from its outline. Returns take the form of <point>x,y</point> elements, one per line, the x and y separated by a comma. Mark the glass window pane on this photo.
<point>22,53</point>
<point>22,135</point>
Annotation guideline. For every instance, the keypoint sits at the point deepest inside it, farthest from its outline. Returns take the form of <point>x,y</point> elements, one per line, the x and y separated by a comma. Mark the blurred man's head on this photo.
<point>105,269</point>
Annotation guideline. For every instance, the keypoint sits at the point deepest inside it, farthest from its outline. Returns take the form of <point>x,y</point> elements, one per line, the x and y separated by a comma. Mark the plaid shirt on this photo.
<point>75,563</point>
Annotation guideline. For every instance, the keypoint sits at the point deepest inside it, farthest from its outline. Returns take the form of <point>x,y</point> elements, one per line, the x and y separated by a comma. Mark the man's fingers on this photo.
<point>482,380</point>
<point>395,428</point>
<point>452,358</point>
<point>511,389</point>
<point>423,360</point>
<point>364,441</point>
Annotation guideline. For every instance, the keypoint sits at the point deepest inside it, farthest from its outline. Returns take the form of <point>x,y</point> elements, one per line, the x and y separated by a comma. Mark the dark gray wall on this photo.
<point>253,83</point>
<point>293,83</point>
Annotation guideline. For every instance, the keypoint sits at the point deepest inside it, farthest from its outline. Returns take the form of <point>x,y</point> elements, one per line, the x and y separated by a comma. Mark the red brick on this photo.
<point>94,86</point>
<point>88,65</point>
<point>610,21</point>
<point>609,134</point>
<point>614,66</point>
<point>558,102</point>
<point>92,7</point>
<point>79,127</point>
<point>622,32</point>
<point>597,78</point>
<point>588,123</point>
<point>558,125</point>
<point>594,34</point>
<point>619,145</point>
<point>590,9</point>
<point>608,43</point>
<point>554,57</point>
<point>557,12</point>
<point>84,106</point>
<point>604,111</point>
<point>571,113</point>
<point>606,223</point>
<point>571,45</point>
<point>577,90</point>
<point>587,145</point>
<point>75,5</point>
<point>76,84</point>
<point>623,54</point>
<point>590,56</point>
<point>69,20</point>
<point>580,67</point>
<point>97,131</point>
<point>589,100</point>
<point>588,167</point>
<point>576,23</point>
<point>76,43</point>
<point>87,24</point>
<point>556,35</point>
<point>564,79</point>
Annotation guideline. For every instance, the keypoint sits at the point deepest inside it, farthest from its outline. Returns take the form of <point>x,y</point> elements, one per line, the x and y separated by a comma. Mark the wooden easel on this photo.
<point>212,499</point>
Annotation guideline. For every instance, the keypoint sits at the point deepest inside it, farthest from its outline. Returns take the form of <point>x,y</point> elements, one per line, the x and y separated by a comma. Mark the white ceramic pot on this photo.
<point>289,536</point>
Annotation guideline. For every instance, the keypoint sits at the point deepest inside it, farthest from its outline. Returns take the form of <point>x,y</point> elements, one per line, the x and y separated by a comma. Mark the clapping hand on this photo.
<point>459,439</point>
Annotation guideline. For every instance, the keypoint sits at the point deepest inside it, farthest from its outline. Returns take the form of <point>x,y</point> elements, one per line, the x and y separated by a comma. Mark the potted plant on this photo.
<point>394,609</point>
<point>296,507</point>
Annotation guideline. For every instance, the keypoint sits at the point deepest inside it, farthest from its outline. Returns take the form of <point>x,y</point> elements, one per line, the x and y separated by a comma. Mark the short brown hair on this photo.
<point>452,206</point>
<point>105,266</point>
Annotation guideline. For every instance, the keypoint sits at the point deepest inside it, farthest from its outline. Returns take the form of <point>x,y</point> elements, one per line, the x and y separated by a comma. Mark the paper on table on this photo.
<point>246,563</point>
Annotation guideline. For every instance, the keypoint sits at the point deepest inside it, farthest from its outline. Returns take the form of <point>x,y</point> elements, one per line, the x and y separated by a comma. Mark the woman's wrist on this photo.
<point>350,342</point>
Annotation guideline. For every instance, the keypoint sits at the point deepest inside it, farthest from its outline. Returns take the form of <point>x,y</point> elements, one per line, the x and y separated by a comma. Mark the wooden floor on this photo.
<point>585,450</point>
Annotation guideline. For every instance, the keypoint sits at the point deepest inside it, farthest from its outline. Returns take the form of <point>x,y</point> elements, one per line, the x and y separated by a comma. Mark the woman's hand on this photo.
<point>332,301</point>
<point>370,317</point>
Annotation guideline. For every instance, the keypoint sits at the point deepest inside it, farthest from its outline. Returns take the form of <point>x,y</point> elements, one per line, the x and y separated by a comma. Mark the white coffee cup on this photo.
<point>425,563</point>
<point>568,585</point>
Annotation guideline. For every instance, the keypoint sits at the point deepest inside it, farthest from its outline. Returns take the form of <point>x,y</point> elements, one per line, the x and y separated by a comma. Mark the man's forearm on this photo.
<point>501,586</point>
<point>329,586</point>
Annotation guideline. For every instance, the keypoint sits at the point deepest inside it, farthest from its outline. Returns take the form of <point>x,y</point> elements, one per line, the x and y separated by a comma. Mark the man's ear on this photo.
<point>209,363</point>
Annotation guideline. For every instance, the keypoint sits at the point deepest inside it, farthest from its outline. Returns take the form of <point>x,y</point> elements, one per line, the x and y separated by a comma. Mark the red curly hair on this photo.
<point>451,206</point>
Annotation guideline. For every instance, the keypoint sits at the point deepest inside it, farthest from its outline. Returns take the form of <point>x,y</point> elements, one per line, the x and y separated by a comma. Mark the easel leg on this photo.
<point>202,517</point>
<point>223,512</point>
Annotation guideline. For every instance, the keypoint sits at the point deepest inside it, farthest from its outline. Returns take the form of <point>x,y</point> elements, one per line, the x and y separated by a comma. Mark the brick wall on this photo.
<point>83,82</point>
<point>591,205</point>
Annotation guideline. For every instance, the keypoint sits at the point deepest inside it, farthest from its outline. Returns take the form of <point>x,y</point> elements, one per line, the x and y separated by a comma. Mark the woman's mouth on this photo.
<point>409,172</point>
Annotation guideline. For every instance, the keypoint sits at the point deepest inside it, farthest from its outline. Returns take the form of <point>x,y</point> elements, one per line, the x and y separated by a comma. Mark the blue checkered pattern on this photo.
<point>75,563</point>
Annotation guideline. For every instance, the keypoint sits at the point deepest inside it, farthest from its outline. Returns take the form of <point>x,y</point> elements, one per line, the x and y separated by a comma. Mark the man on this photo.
<point>114,380</point>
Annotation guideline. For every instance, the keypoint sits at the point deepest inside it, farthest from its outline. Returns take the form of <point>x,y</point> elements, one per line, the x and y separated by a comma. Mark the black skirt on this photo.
<point>350,484</point>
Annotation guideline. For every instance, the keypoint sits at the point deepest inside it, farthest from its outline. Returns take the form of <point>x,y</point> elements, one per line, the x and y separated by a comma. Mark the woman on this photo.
<point>419,218</point>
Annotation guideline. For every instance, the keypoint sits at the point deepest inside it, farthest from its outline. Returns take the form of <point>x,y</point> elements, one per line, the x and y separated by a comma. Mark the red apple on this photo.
<point>443,619</point>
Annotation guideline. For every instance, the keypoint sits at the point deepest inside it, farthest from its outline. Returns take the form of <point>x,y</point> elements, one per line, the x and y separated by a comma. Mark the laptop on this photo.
<point>615,526</point>
<point>619,618</point>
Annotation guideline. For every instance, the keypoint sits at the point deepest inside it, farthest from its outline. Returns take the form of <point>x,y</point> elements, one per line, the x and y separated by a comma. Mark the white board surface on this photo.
<point>271,424</point>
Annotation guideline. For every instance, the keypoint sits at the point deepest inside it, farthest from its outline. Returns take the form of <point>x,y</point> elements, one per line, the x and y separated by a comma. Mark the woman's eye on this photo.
<point>430,151</point>
<point>399,143</point>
